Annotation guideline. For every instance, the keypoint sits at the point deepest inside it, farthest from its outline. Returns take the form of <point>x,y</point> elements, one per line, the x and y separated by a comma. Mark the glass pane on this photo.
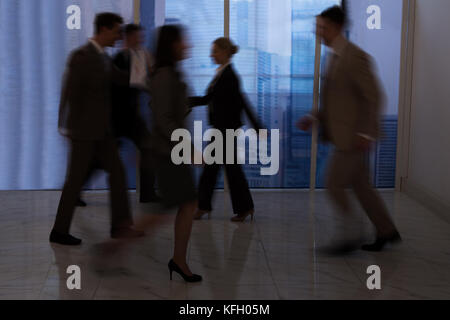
<point>36,42</point>
<point>375,41</point>
<point>276,63</point>
<point>204,20</point>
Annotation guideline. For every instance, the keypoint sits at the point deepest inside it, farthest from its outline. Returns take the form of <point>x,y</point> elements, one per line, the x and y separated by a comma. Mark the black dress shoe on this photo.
<point>126,233</point>
<point>152,199</point>
<point>64,239</point>
<point>80,203</point>
<point>173,267</point>
<point>380,243</point>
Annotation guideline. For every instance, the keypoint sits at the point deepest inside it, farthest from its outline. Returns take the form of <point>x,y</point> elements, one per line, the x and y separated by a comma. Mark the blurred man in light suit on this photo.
<point>127,120</point>
<point>349,117</point>
<point>85,118</point>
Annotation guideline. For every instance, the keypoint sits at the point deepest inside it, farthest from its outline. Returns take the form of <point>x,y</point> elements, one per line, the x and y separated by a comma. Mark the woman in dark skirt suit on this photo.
<point>170,107</point>
<point>226,105</point>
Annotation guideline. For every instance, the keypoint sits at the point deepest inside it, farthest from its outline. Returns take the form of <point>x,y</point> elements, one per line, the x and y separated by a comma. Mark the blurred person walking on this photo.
<point>85,118</point>
<point>226,104</point>
<point>127,120</point>
<point>169,108</point>
<point>349,116</point>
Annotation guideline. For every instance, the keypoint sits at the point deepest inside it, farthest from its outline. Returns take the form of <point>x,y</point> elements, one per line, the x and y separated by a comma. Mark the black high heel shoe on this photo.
<point>200,213</point>
<point>243,217</point>
<point>174,267</point>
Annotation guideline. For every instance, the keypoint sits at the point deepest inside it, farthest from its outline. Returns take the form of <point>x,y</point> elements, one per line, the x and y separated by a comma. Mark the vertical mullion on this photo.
<point>137,11</point>
<point>226,185</point>
<point>405,89</point>
<point>137,20</point>
<point>226,20</point>
<point>315,131</point>
<point>226,31</point>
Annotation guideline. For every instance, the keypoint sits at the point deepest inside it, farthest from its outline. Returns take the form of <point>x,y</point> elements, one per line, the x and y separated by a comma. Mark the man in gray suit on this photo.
<point>349,118</point>
<point>85,118</point>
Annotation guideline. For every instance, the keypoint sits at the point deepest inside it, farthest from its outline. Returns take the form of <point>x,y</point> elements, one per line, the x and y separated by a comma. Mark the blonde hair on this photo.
<point>227,45</point>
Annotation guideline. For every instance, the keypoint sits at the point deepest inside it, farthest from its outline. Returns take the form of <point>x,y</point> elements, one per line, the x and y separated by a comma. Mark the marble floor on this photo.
<point>277,256</point>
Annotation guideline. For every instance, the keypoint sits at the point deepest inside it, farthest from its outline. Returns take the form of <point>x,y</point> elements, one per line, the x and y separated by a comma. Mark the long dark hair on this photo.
<point>168,35</point>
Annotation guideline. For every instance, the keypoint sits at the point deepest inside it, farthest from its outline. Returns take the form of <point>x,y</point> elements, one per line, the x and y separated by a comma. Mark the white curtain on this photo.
<point>34,45</point>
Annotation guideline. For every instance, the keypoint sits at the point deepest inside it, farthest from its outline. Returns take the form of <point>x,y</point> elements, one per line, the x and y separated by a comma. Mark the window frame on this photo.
<point>404,107</point>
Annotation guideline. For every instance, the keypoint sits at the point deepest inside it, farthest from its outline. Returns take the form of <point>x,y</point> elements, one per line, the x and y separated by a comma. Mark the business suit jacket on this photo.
<point>169,107</point>
<point>125,100</point>
<point>351,99</point>
<point>226,102</point>
<point>351,106</point>
<point>85,118</point>
<point>85,108</point>
<point>226,105</point>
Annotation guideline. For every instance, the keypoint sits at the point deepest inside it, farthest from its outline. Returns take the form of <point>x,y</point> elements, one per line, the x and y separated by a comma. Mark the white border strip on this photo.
<point>315,132</point>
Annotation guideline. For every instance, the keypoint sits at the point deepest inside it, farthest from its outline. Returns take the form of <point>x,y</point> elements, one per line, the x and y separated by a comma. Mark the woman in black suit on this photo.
<point>226,105</point>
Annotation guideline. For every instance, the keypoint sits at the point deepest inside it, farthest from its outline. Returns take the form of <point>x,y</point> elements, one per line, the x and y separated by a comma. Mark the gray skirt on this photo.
<point>175,182</point>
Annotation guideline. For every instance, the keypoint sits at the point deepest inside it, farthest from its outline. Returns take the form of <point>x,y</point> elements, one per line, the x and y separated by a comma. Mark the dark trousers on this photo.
<point>139,135</point>
<point>241,197</point>
<point>84,155</point>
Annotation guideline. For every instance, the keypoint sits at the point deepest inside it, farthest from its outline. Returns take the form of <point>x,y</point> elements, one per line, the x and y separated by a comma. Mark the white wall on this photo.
<point>376,42</point>
<point>429,158</point>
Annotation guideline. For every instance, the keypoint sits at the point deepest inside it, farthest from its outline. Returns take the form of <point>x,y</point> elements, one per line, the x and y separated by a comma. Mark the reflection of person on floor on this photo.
<point>232,262</point>
<point>85,118</point>
<point>169,108</point>
<point>226,105</point>
<point>349,118</point>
